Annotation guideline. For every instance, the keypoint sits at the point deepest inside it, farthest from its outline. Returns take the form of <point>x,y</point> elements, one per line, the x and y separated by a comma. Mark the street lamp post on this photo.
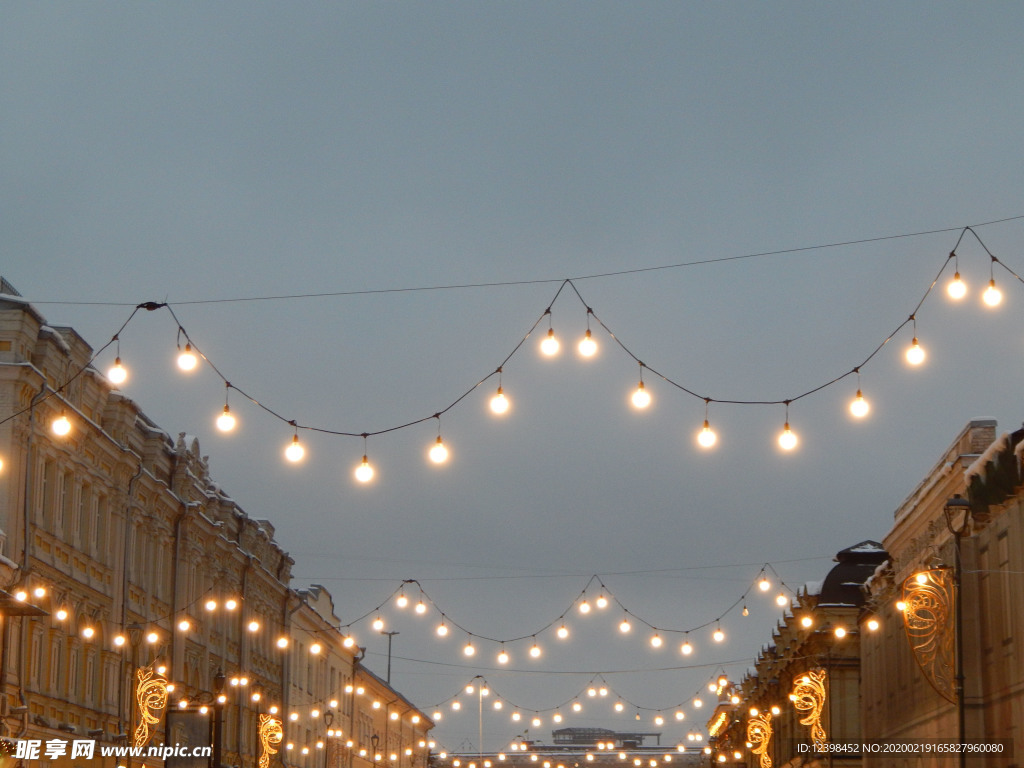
<point>218,718</point>
<point>390,636</point>
<point>958,520</point>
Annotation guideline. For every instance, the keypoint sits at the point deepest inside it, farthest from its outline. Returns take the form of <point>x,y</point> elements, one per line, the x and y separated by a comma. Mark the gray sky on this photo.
<point>203,151</point>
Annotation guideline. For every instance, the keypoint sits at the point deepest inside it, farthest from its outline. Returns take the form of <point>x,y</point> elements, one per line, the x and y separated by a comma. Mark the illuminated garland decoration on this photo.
<point>271,733</point>
<point>759,734</point>
<point>190,356</point>
<point>928,617</point>
<point>596,688</point>
<point>582,604</point>
<point>809,696</point>
<point>151,696</point>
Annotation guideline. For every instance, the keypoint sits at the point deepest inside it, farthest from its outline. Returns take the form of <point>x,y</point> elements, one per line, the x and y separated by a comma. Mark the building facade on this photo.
<point>120,556</point>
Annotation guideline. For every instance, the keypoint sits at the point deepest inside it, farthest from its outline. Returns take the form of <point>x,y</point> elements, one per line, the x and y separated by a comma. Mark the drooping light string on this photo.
<point>191,355</point>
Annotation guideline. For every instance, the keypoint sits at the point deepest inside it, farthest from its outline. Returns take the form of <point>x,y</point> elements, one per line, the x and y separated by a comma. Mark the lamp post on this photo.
<point>218,718</point>
<point>957,512</point>
<point>375,743</point>
<point>390,636</point>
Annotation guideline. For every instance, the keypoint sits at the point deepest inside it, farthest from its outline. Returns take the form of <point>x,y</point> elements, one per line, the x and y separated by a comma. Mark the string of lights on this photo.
<point>190,355</point>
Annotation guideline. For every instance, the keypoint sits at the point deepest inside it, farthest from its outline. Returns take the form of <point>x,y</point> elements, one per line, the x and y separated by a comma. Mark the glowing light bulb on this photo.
<point>442,629</point>
<point>806,622</point>
<point>764,585</point>
<point>62,614</point>
<point>587,346</point>
<point>992,295</point>
<point>873,625</point>
<point>401,601</point>
<point>577,707</point>
<point>602,601</point>
<point>61,425</point>
<point>254,626</point>
<point>619,706</point>
<point>840,632</point>
<point>184,625</point>
<point>231,604</point>
<point>915,353</point>
<point>746,611</point>
<point>364,472</point>
<point>686,649</point>
<point>535,651</point>
<point>859,407</point>
<point>957,288</point>
<point>550,345</point>
<point>922,578</point>
<point>187,358</point>
<point>211,605</point>
<point>282,642</point>
<point>706,437</point>
<point>499,403</point>
<point>780,599</point>
<point>315,649</point>
<point>117,374</point>
<point>719,635</point>
<point>469,650</point>
<point>120,640</point>
<point>88,632</point>
<point>641,398</point>
<point>503,657</point>
<point>294,452</point>
<point>584,606</point>
<point>378,624</point>
<point>787,438</point>
<point>438,452</point>
<point>625,626</point>
<point>563,632</point>
<point>656,641</point>
<point>421,607</point>
<point>901,606</point>
<point>226,421</point>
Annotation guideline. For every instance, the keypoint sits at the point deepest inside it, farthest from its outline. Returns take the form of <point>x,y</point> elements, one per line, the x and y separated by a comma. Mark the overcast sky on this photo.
<point>195,151</point>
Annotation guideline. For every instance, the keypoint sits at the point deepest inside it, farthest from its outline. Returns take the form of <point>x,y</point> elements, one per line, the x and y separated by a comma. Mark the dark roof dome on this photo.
<point>854,567</point>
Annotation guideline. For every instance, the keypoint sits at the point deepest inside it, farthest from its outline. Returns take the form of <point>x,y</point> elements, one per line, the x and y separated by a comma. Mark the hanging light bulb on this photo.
<point>625,626</point>
<point>956,288</point>
<point>378,624</point>
<point>364,472</point>
<point>587,346</point>
<point>746,611</point>
<point>602,601</point>
<point>641,398</point>
<point>859,407</point>
<point>563,632</point>
<point>468,648</point>
<point>61,425</point>
<point>535,650</point>
<point>187,359</point>
<point>226,421</point>
<point>499,403</point>
<point>442,629</point>
<point>294,452</point>
<point>781,599</point>
<point>503,656</point>
<point>401,601</point>
<point>706,437</point>
<point>550,345</point>
<point>718,635</point>
<point>117,374</point>
<point>787,438</point>
<point>584,606</point>
<point>438,452</point>
<point>992,295</point>
<point>686,648</point>
<point>764,585</point>
<point>915,353</point>
<point>420,607</point>
<point>656,640</point>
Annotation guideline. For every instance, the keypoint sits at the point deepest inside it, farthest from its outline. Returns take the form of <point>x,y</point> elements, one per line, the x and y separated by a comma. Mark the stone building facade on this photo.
<point>119,552</point>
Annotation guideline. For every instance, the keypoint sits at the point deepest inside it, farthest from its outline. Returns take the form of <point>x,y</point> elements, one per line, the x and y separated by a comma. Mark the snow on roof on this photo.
<point>977,467</point>
<point>57,337</point>
<point>812,588</point>
<point>867,546</point>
